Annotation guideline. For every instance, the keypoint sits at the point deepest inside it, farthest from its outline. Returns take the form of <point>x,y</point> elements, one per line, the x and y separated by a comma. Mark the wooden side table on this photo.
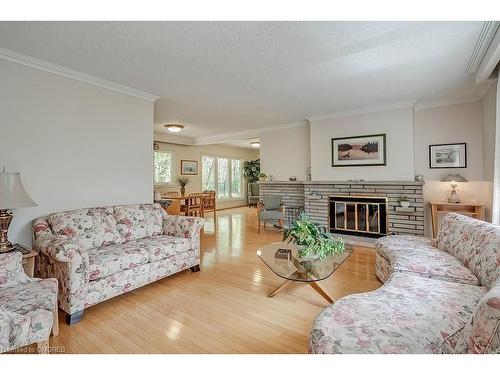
<point>475,210</point>
<point>28,260</point>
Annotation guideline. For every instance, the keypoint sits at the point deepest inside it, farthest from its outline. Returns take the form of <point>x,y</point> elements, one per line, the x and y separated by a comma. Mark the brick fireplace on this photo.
<point>315,197</point>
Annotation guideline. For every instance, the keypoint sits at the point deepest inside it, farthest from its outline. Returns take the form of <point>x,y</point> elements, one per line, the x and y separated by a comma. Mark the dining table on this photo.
<point>173,203</point>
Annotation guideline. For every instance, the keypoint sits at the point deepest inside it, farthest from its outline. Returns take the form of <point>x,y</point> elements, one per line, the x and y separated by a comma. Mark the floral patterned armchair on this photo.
<point>28,306</point>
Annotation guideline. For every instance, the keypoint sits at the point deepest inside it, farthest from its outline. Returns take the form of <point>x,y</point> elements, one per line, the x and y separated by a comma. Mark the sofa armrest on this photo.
<point>14,329</point>
<point>66,261</point>
<point>182,226</point>
<point>482,333</point>
<point>11,269</point>
<point>59,248</point>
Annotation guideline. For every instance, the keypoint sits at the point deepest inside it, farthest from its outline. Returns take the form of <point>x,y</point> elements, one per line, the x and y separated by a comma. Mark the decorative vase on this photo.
<point>183,190</point>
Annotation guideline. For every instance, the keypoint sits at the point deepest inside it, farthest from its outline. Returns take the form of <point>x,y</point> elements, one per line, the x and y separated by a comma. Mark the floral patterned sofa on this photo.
<point>99,253</point>
<point>439,296</point>
<point>28,306</point>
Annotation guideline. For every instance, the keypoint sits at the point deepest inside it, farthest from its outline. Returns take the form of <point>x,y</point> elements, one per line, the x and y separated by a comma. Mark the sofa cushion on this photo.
<point>482,334</point>
<point>418,255</point>
<point>39,294</point>
<point>475,243</point>
<point>163,247</point>
<point>107,260</point>
<point>408,314</point>
<point>139,221</point>
<point>90,227</point>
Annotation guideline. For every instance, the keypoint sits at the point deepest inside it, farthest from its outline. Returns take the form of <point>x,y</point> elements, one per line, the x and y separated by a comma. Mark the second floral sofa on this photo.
<point>99,253</point>
<point>439,296</point>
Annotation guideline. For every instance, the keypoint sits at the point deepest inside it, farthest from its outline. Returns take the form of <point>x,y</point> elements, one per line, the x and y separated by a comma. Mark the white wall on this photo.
<point>183,152</point>
<point>397,124</point>
<point>452,124</point>
<point>449,124</point>
<point>285,153</point>
<point>76,145</point>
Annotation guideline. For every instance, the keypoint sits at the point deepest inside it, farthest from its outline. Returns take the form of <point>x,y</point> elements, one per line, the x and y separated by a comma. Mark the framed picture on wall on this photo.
<point>363,150</point>
<point>189,167</point>
<point>450,155</point>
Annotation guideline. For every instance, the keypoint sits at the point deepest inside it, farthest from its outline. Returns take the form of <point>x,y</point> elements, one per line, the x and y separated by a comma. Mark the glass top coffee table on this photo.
<point>291,267</point>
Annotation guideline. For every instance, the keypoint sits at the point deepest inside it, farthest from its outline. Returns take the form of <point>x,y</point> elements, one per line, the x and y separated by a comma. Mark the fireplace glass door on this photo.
<point>373,218</point>
<point>340,218</point>
<point>358,215</point>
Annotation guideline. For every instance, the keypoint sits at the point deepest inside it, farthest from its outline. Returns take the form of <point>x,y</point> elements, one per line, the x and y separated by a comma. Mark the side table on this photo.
<point>475,210</point>
<point>28,259</point>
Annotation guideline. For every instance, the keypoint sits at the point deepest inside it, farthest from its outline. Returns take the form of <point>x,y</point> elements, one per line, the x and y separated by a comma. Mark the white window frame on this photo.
<point>172,169</point>
<point>216,177</point>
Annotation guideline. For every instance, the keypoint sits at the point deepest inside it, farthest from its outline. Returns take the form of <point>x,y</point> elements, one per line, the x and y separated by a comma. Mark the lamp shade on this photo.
<point>454,178</point>
<point>12,193</point>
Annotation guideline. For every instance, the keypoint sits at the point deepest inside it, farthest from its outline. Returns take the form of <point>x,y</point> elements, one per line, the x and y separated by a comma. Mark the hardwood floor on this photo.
<point>222,309</point>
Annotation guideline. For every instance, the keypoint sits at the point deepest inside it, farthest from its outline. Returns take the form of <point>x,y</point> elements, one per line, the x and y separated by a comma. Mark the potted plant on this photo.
<point>182,182</point>
<point>262,176</point>
<point>404,201</point>
<point>311,239</point>
<point>251,170</point>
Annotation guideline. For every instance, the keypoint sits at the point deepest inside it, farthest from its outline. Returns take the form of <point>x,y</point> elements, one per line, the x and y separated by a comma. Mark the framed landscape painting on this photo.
<point>451,155</point>
<point>189,167</point>
<point>363,150</point>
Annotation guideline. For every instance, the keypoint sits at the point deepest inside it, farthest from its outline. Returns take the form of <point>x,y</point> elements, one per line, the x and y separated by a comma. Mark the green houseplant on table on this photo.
<point>311,239</point>
<point>182,182</point>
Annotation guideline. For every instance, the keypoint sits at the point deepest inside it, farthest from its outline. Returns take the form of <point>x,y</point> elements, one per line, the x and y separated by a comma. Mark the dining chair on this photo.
<point>209,202</point>
<point>270,208</point>
<point>193,205</point>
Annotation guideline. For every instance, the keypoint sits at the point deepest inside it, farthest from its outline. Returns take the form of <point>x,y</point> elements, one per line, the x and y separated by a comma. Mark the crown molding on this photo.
<point>32,62</point>
<point>362,111</point>
<point>170,138</point>
<point>482,44</point>
<point>244,134</point>
<point>446,102</point>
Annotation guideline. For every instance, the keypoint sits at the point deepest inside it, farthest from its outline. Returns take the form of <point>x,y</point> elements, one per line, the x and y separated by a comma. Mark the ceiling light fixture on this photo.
<point>174,128</point>
<point>255,144</point>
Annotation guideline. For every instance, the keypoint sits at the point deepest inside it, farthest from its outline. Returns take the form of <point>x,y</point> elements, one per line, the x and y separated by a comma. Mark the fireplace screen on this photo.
<point>365,216</point>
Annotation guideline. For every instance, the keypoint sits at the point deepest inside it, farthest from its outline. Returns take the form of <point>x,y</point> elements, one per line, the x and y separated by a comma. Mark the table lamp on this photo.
<point>453,179</point>
<point>12,195</point>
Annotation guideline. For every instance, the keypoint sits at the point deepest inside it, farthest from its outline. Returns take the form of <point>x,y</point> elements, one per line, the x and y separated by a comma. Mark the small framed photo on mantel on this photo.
<point>189,167</point>
<point>449,155</point>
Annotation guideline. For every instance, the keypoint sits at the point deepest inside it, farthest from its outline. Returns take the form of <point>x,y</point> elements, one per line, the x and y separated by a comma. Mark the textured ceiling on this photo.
<point>220,77</point>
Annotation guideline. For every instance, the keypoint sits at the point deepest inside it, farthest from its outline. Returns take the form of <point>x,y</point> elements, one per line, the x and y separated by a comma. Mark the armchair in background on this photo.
<point>270,208</point>
<point>253,193</point>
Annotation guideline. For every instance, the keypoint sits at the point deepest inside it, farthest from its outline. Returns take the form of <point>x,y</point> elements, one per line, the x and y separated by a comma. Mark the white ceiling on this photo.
<point>223,77</point>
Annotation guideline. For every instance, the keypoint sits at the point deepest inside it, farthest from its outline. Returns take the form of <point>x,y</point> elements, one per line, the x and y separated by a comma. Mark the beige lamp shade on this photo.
<point>12,193</point>
<point>454,178</point>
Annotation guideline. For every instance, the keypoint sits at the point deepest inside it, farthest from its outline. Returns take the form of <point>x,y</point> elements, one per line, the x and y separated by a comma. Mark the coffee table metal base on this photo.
<point>313,285</point>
